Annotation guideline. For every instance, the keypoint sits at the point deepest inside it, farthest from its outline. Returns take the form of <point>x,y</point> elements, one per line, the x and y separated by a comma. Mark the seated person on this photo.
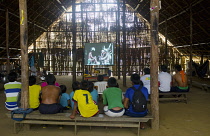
<point>179,80</point>
<point>65,99</point>
<point>84,102</point>
<point>135,78</point>
<point>93,92</point>
<point>50,96</point>
<point>100,84</point>
<point>34,93</point>
<point>75,86</point>
<point>12,92</point>
<point>146,79</point>
<point>112,97</point>
<point>164,79</point>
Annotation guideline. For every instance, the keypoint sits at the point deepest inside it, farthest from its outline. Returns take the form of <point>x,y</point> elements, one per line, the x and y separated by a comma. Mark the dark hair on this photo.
<point>50,79</point>
<point>32,80</point>
<point>100,78</point>
<point>12,77</point>
<point>91,85</point>
<point>75,85</point>
<point>146,70</point>
<point>84,85</point>
<point>163,68</point>
<point>135,78</point>
<point>63,88</point>
<point>178,67</point>
<point>112,82</point>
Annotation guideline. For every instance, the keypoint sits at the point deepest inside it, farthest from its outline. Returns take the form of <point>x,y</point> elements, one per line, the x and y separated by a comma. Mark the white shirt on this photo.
<point>33,71</point>
<point>146,81</point>
<point>165,81</point>
<point>101,86</point>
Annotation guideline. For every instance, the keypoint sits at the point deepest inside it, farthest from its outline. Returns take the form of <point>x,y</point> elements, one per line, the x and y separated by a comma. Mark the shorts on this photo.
<point>113,113</point>
<point>50,108</point>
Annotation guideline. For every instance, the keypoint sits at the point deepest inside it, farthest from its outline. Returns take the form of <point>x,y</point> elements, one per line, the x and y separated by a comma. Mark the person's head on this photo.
<point>93,49</point>
<point>12,76</point>
<point>135,78</point>
<point>50,79</point>
<point>163,68</point>
<point>32,80</point>
<point>178,67</point>
<point>146,71</point>
<point>84,85</point>
<point>63,88</point>
<point>75,85</point>
<point>91,85</point>
<point>100,78</point>
<point>112,82</point>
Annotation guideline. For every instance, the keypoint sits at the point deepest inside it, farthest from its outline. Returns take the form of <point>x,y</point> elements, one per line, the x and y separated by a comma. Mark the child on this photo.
<point>64,100</point>
<point>112,97</point>
<point>34,93</point>
<point>12,91</point>
<point>100,84</point>
<point>93,92</point>
<point>84,102</point>
<point>75,86</point>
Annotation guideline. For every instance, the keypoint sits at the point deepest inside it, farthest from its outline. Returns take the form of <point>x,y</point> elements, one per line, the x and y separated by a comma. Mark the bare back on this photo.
<point>178,81</point>
<point>50,94</point>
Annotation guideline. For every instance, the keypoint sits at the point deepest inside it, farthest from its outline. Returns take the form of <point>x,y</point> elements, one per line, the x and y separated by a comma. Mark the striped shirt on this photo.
<point>12,90</point>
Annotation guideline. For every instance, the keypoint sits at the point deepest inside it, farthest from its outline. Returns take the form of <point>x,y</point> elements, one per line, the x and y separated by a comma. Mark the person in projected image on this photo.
<point>92,59</point>
<point>106,56</point>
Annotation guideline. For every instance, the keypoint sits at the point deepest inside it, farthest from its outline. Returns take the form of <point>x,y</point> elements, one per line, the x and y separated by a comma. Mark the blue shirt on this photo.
<point>129,94</point>
<point>64,99</point>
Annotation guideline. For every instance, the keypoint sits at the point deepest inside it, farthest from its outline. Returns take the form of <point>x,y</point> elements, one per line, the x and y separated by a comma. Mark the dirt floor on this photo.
<point>176,119</point>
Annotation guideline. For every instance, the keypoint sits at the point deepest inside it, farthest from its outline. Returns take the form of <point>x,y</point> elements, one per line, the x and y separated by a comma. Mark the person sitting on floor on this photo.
<point>112,97</point>
<point>84,102</point>
<point>179,80</point>
<point>12,92</point>
<point>50,96</point>
<point>65,99</point>
<point>34,93</point>
<point>164,79</point>
<point>135,78</point>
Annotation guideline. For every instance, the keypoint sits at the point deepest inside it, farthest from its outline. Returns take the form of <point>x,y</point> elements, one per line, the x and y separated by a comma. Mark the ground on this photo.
<point>176,119</point>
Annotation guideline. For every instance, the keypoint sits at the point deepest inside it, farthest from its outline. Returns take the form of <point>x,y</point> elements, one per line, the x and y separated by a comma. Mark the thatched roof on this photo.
<point>174,14</point>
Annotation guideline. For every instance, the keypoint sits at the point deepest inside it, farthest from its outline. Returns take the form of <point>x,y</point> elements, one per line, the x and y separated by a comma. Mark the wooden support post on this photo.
<point>154,20</point>
<point>7,41</point>
<point>191,30</point>
<point>118,40</point>
<point>166,45</point>
<point>24,52</point>
<point>74,40</point>
<point>124,45</point>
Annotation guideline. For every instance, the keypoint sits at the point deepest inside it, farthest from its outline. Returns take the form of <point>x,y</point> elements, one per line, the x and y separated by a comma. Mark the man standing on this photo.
<point>164,79</point>
<point>179,80</point>
<point>50,96</point>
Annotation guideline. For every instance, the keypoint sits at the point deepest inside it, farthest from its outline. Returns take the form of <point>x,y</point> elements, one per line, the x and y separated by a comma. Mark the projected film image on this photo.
<point>99,54</point>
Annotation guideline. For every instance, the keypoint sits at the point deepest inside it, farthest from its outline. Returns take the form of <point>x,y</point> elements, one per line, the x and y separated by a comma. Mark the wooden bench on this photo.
<point>64,119</point>
<point>173,96</point>
<point>199,85</point>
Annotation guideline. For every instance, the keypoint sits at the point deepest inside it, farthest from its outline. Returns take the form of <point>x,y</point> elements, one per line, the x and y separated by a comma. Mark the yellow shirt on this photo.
<point>86,105</point>
<point>34,92</point>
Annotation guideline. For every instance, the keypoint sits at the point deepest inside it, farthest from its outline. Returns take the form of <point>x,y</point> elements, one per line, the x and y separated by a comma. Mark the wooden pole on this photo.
<point>118,39</point>
<point>7,41</point>
<point>124,45</point>
<point>24,52</point>
<point>154,20</point>
<point>166,45</point>
<point>191,30</point>
<point>74,40</point>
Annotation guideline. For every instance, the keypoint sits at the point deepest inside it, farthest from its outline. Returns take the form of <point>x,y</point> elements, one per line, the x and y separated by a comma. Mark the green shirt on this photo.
<point>112,97</point>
